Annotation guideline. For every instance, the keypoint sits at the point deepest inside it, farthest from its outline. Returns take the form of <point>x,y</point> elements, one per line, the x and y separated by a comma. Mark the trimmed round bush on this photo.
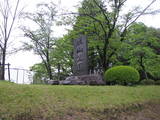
<point>147,82</point>
<point>122,75</point>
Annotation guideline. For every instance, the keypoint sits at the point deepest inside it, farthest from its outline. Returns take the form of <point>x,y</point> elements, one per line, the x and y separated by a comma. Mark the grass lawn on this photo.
<point>46,102</point>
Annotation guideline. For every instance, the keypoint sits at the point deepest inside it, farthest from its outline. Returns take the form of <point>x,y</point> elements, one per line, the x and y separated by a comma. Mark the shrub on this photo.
<point>157,82</point>
<point>147,82</point>
<point>123,75</point>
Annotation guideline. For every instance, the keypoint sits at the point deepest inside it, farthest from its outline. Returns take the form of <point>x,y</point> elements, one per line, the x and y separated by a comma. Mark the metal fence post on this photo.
<point>9,77</point>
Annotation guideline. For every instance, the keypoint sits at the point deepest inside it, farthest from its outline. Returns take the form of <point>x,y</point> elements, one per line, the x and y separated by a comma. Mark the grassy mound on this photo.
<point>48,102</point>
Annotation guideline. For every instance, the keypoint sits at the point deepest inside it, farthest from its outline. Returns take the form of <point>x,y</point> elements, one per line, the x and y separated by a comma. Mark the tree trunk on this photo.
<point>49,67</point>
<point>58,68</point>
<point>50,72</point>
<point>106,43</point>
<point>143,67</point>
<point>2,76</point>
<point>0,69</point>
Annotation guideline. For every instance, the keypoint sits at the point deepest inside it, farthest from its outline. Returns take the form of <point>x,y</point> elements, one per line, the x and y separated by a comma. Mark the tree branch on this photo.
<point>13,20</point>
<point>141,13</point>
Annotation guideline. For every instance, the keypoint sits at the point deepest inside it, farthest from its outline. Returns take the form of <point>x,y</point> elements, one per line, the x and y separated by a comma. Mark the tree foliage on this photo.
<point>142,42</point>
<point>114,38</point>
<point>42,40</point>
<point>105,26</point>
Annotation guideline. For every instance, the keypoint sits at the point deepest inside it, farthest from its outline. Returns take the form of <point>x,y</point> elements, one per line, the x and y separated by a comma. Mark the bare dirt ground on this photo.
<point>147,111</point>
<point>143,111</point>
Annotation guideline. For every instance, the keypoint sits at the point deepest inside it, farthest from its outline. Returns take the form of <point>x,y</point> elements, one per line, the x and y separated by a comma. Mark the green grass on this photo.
<point>46,100</point>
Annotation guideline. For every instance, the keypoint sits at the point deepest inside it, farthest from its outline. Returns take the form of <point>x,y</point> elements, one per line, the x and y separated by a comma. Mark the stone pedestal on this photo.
<point>83,80</point>
<point>53,82</point>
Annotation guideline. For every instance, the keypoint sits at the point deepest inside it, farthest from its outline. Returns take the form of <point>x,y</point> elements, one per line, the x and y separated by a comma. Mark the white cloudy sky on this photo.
<point>27,59</point>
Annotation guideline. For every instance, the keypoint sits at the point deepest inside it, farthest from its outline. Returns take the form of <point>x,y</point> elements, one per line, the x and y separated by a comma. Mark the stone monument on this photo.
<point>80,55</point>
<point>80,67</point>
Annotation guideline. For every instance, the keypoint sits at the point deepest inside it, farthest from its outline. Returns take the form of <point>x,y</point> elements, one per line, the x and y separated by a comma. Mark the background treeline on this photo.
<point>113,39</point>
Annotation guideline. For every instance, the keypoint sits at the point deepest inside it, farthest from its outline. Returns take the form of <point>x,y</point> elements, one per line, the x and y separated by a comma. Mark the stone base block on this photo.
<point>53,82</point>
<point>83,80</point>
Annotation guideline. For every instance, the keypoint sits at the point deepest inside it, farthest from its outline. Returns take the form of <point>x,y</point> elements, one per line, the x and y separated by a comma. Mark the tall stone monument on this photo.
<point>80,56</point>
<point>80,67</point>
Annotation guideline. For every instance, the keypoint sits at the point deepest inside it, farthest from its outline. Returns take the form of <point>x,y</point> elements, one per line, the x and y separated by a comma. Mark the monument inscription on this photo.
<point>80,56</point>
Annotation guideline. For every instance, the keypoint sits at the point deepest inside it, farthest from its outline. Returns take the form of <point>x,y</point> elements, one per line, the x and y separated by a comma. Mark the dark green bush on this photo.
<point>147,82</point>
<point>157,82</point>
<point>122,75</point>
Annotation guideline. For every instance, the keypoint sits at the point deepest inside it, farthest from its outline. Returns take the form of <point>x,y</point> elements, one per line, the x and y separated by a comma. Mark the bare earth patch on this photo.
<point>147,111</point>
<point>150,112</point>
<point>144,111</point>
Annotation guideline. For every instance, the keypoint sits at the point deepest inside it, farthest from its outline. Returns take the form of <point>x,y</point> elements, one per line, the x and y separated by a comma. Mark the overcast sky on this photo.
<point>27,59</point>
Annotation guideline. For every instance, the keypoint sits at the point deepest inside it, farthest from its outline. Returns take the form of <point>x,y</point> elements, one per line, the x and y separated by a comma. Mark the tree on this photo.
<point>140,50</point>
<point>9,16</point>
<point>61,58</point>
<point>42,40</point>
<point>40,73</point>
<point>106,33</point>
<point>112,24</point>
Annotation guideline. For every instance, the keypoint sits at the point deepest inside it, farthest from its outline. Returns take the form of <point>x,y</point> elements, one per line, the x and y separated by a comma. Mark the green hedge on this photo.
<point>157,82</point>
<point>122,75</point>
<point>147,82</point>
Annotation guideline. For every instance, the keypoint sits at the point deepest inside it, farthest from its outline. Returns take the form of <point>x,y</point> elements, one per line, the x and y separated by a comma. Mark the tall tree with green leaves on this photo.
<point>62,58</point>
<point>104,19</point>
<point>140,50</point>
<point>42,39</point>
